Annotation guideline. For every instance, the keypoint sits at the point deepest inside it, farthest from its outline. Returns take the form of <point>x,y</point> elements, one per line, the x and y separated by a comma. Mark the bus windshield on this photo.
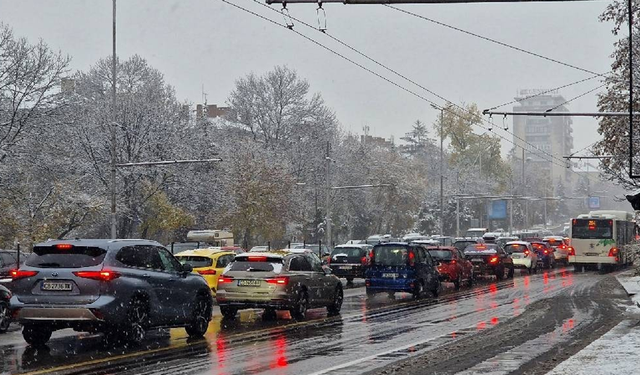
<point>592,228</point>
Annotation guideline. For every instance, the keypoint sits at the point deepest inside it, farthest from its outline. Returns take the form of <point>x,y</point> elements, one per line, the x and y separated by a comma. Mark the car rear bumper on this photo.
<point>522,263</point>
<point>55,313</point>
<point>104,310</point>
<point>592,259</point>
<point>386,285</point>
<point>274,300</point>
<point>484,269</point>
<point>354,270</point>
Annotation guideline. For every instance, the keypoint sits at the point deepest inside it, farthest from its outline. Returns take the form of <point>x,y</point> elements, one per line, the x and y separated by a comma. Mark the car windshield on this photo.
<point>253,264</point>
<point>441,254</point>
<point>348,251</point>
<point>195,261</point>
<point>390,255</point>
<point>515,248</point>
<point>58,257</point>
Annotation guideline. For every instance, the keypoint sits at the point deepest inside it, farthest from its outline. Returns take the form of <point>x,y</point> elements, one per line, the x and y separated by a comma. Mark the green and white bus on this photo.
<point>601,239</point>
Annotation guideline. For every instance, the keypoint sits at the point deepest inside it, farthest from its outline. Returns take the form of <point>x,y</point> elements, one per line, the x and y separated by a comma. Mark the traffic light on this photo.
<point>634,199</point>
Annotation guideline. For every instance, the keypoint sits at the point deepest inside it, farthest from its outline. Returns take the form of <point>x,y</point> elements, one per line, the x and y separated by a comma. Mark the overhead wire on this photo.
<point>489,127</point>
<point>533,150</point>
<point>575,97</point>
<point>492,40</point>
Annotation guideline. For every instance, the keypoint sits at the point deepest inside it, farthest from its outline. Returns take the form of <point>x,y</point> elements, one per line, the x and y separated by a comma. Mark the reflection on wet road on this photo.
<point>367,335</point>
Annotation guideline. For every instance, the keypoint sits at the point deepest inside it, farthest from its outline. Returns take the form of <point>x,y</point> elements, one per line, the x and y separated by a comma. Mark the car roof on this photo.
<point>391,244</point>
<point>557,238</point>
<point>448,248</point>
<point>351,246</point>
<point>272,254</point>
<point>517,243</point>
<point>205,252</point>
<point>101,243</point>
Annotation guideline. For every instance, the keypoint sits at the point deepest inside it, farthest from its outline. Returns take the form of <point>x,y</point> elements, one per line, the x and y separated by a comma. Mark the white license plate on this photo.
<point>477,260</point>
<point>592,254</point>
<point>249,282</point>
<point>345,267</point>
<point>390,275</point>
<point>48,285</point>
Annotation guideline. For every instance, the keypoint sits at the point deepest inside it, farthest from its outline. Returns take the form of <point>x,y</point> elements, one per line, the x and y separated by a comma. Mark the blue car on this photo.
<point>401,267</point>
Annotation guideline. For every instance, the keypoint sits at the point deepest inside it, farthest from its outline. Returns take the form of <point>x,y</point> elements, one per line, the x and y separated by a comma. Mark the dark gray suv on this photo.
<point>118,287</point>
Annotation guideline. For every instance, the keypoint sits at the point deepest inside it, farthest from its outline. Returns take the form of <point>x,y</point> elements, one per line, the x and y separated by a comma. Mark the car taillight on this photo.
<point>280,280</point>
<point>97,275</point>
<point>613,252</point>
<point>546,251</point>
<point>329,260</point>
<point>363,261</point>
<point>20,274</point>
<point>526,253</point>
<point>207,272</point>
<point>572,251</point>
<point>412,258</point>
<point>225,280</point>
<point>493,259</point>
<point>371,257</point>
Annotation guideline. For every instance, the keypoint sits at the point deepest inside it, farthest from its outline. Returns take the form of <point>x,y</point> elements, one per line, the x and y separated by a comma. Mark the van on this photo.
<point>401,267</point>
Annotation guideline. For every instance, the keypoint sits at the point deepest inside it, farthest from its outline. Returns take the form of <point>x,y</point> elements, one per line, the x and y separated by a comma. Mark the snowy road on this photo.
<point>530,323</point>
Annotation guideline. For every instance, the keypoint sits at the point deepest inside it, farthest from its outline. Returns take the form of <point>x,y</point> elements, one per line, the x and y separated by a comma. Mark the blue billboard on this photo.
<point>497,210</point>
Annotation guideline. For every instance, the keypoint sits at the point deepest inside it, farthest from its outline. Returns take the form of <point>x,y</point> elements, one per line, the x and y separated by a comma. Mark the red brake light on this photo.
<point>371,256</point>
<point>225,280</point>
<point>613,252</point>
<point>412,258</point>
<point>20,274</point>
<point>257,258</point>
<point>546,251</point>
<point>207,272</point>
<point>63,246</point>
<point>526,253</point>
<point>97,275</point>
<point>453,261</point>
<point>481,247</point>
<point>329,260</point>
<point>363,261</point>
<point>572,251</point>
<point>280,280</point>
<point>493,259</point>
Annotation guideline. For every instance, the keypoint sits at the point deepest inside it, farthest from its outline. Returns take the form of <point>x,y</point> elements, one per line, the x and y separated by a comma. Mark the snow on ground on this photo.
<point>616,352</point>
<point>629,282</point>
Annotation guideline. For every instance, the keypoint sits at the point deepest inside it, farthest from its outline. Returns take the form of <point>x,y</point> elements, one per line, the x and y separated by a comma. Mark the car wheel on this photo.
<point>458,282</point>
<point>510,273</point>
<point>336,305</point>
<point>299,311</point>
<point>228,312</point>
<point>392,295</point>
<point>137,321</point>
<point>418,289</point>
<point>370,293</point>
<point>5,318</point>
<point>200,318</point>
<point>471,279</point>
<point>349,280</point>
<point>36,335</point>
<point>500,274</point>
<point>436,291</point>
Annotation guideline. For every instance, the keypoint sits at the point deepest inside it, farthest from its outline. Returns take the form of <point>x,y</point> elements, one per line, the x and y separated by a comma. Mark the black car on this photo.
<point>462,244</point>
<point>9,261</point>
<point>5,316</point>
<point>349,261</point>
<point>489,259</point>
<point>118,287</point>
<point>546,258</point>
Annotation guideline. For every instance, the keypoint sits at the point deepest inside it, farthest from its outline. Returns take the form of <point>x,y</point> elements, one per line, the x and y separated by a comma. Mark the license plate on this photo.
<point>592,254</point>
<point>249,282</point>
<point>345,267</point>
<point>477,260</point>
<point>390,275</point>
<point>52,286</point>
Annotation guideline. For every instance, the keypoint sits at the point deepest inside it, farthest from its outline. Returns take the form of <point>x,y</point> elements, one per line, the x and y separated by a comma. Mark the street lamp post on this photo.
<point>113,129</point>
<point>441,109</point>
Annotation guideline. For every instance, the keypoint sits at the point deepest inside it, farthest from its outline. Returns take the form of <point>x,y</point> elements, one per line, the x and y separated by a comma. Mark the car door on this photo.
<point>431,278</point>
<point>300,271</point>
<point>178,288</point>
<point>321,280</point>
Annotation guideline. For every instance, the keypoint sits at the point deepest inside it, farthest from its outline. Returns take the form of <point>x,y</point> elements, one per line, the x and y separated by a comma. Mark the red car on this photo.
<point>452,265</point>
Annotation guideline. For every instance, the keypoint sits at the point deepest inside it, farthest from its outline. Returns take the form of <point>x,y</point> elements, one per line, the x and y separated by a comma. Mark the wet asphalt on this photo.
<point>490,327</point>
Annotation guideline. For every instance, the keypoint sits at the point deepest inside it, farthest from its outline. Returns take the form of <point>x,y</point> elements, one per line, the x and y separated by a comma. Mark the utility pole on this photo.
<point>327,198</point>
<point>457,204</point>
<point>441,172</point>
<point>113,128</point>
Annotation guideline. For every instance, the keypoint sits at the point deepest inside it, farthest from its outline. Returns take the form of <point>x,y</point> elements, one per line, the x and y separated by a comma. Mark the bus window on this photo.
<point>592,228</point>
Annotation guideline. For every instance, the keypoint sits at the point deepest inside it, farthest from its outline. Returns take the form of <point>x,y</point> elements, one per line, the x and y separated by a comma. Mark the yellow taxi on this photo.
<point>208,262</point>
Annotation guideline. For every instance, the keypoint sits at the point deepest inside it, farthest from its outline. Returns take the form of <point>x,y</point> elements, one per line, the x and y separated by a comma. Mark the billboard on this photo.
<point>497,210</point>
<point>594,202</point>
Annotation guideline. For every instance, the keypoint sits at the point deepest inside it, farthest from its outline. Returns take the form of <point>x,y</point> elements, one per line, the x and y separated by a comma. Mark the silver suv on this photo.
<point>118,287</point>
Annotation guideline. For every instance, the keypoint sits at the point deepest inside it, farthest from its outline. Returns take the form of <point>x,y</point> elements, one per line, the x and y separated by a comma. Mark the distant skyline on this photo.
<point>207,42</point>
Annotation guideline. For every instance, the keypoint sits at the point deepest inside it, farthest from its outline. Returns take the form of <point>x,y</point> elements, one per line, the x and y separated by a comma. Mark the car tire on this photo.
<point>458,282</point>
<point>370,293</point>
<point>228,312</point>
<point>391,295</point>
<point>418,289</point>
<point>471,280</point>
<point>299,311</point>
<point>200,318</point>
<point>36,335</point>
<point>5,317</point>
<point>500,274</point>
<point>349,280</point>
<point>436,291</point>
<point>336,304</point>
<point>510,272</point>
<point>137,321</point>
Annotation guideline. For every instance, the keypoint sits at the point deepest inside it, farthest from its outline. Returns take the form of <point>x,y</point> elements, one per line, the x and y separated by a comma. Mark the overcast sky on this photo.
<point>207,42</point>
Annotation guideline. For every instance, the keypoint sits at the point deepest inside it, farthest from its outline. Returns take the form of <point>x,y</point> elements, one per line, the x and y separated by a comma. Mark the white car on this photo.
<point>560,248</point>
<point>523,255</point>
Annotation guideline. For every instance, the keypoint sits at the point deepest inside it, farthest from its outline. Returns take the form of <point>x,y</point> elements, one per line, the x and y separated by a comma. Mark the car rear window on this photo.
<point>195,261</point>
<point>461,245</point>
<point>480,248</point>
<point>390,255</point>
<point>441,254</point>
<point>257,264</point>
<point>74,257</point>
<point>514,248</point>
<point>348,251</point>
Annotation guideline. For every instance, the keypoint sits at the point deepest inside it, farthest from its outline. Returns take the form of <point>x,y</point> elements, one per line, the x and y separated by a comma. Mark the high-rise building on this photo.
<point>543,135</point>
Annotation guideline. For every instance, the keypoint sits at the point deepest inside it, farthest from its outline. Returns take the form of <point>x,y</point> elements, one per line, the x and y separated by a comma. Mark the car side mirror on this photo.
<point>187,268</point>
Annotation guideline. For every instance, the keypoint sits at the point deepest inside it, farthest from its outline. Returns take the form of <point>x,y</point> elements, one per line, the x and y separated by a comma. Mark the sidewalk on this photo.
<point>616,352</point>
